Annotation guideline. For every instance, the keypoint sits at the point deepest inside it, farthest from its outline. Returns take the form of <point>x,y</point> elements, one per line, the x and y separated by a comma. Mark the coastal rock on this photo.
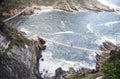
<point>104,56</point>
<point>71,5</point>
<point>71,70</point>
<point>59,73</point>
<point>12,13</point>
<point>107,46</point>
<point>28,11</point>
<point>5,14</point>
<point>19,57</point>
<point>63,6</point>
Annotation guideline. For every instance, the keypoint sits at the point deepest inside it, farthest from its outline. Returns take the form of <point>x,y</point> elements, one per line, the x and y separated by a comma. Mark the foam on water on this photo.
<point>89,27</point>
<point>66,32</point>
<point>50,64</point>
<point>38,12</point>
<point>109,24</point>
<point>24,30</point>
<point>109,3</point>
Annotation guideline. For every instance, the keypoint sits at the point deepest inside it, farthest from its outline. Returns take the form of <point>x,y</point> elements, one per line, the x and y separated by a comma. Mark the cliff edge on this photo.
<point>19,57</point>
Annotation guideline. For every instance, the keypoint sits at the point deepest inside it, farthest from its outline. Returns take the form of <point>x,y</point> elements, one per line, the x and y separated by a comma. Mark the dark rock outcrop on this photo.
<point>59,73</point>
<point>106,47</point>
<point>19,57</point>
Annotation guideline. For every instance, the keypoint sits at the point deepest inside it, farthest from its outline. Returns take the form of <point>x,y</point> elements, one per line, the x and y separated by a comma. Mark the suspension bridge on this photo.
<point>59,43</point>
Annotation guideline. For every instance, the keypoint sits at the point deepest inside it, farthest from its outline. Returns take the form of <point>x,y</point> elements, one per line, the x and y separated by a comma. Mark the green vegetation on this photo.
<point>12,35</point>
<point>111,68</point>
<point>1,58</point>
<point>7,5</point>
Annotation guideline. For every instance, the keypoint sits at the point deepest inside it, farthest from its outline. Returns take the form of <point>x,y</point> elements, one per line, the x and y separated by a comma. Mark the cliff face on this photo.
<point>19,57</point>
<point>15,6</point>
<point>71,5</point>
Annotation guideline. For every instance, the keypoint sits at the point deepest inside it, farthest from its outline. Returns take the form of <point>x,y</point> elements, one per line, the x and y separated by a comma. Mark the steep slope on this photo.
<point>19,57</point>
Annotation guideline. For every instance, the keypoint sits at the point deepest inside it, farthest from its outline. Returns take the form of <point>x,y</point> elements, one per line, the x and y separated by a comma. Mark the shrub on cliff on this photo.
<point>111,68</point>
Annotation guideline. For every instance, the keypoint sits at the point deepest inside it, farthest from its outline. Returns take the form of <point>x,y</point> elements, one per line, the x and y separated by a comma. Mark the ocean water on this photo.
<point>83,29</point>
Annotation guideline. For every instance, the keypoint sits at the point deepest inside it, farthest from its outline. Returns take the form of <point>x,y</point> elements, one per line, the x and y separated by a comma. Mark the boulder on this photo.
<point>59,73</point>
<point>28,11</point>
<point>12,13</point>
<point>5,14</point>
<point>71,70</point>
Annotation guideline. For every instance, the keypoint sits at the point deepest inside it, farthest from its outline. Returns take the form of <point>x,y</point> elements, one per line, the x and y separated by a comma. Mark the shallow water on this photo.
<point>85,29</point>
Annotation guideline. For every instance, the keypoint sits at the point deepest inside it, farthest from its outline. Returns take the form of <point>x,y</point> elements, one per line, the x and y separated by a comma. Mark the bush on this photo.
<point>111,69</point>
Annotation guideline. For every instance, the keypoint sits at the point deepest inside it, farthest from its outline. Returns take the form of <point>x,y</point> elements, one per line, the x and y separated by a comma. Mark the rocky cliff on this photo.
<point>19,57</point>
<point>75,5</point>
<point>16,6</point>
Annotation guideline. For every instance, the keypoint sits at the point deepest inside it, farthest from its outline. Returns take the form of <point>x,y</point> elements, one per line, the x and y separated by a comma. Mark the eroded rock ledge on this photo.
<point>19,57</point>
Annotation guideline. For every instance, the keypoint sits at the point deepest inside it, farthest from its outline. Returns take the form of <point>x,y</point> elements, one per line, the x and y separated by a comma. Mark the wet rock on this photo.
<point>71,70</point>
<point>39,43</point>
<point>59,73</point>
<point>107,45</point>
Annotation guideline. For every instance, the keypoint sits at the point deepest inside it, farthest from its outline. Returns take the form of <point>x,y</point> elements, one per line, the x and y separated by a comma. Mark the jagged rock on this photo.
<point>71,70</point>
<point>59,73</point>
<point>39,43</point>
<point>108,46</point>
<point>104,56</point>
<point>71,5</point>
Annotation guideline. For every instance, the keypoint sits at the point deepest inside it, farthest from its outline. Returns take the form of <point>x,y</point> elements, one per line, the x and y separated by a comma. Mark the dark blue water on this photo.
<point>86,29</point>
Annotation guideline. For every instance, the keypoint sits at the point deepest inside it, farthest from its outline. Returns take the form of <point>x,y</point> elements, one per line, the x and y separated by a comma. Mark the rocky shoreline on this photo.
<point>20,60</point>
<point>85,73</point>
<point>68,5</point>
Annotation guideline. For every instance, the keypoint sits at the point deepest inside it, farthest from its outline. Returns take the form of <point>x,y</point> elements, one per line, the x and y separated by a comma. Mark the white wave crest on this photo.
<point>109,23</point>
<point>89,28</point>
<point>50,64</point>
<point>58,33</point>
<point>66,32</point>
<point>24,30</point>
<point>109,3</point>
